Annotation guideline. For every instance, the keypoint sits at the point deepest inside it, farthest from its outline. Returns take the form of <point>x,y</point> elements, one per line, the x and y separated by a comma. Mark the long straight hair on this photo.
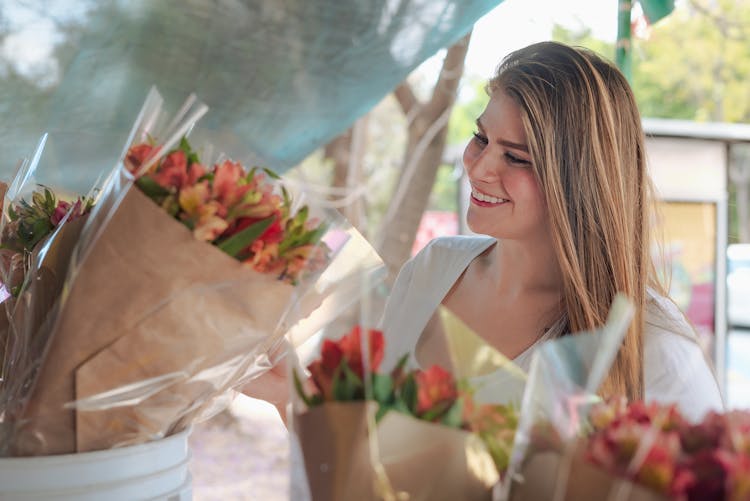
<point>587,148</point>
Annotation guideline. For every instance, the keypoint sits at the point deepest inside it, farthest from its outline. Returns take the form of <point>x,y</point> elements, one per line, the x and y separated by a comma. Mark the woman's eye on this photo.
<point>516,160</point>
<point>479,138</point>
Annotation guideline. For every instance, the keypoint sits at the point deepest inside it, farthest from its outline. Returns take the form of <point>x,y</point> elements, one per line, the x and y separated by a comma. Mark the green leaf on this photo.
<point>192,156</point>
<point>382,388</point>
<point>382,411</point>
<point>300,390</point>
<point>49,201</point>
<point>454,416</point>
<point>409,393</point>
<point>435,412</point>
<point>401,364</point>
<point>355,385</point>
<point>301,215</point>
<point>400,406</point>
<point>340,387</point>
<point>151,188</point>
<point>240,241</point>
<point>271,173</point>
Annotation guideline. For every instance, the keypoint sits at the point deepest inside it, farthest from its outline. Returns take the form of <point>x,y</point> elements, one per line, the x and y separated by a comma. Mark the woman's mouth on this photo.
<point>484,200</point>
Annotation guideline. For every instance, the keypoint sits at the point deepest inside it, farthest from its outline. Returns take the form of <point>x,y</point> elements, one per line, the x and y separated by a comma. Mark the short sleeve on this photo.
<point>675,368</point>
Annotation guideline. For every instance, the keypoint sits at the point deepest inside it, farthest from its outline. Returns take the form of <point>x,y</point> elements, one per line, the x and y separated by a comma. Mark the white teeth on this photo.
<point>487,198</point>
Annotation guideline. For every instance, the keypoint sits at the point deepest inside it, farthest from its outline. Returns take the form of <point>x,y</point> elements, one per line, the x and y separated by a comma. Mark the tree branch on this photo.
<point>444,93</point>
<point>405,97</point>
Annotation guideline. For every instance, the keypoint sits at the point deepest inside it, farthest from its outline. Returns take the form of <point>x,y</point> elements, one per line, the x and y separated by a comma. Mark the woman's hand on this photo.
<point>273,387</point>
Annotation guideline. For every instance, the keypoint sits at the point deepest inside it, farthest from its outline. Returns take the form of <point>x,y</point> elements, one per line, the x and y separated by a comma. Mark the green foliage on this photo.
<point>694,65</point>
<point>31,222</point>
<point>238,242</point>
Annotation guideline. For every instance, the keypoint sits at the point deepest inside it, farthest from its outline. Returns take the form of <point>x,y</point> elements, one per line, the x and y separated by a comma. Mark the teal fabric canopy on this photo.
<point>282,77</point>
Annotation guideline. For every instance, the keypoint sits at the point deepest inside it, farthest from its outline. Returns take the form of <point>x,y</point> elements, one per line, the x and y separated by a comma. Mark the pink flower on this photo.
<point>60,211</point>
<point>63,207</point>
<point>435,386</point>
<point>604,414</point>
<point>658,468</point>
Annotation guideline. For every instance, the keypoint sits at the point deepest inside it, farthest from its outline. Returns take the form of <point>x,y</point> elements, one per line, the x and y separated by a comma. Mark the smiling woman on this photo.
<point>560,189</point>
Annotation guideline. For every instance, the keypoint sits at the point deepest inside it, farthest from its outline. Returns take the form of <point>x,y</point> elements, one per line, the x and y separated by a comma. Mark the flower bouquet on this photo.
<point>369,435</point>
<point>38,232</point>
<point>571,445</point>
<point>185,278</point>
<point>638,451</point>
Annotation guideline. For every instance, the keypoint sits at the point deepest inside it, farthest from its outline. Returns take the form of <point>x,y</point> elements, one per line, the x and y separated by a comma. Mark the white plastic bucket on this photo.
<point>156,470</point>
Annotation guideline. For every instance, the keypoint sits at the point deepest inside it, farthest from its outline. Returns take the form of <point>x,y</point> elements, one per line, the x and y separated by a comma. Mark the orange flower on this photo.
<point>229,187</point>
<point>436,386</point>
<point>265,258</point>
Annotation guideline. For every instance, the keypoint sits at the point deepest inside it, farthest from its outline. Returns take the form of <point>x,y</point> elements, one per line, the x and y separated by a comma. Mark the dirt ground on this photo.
<point>242,454</point>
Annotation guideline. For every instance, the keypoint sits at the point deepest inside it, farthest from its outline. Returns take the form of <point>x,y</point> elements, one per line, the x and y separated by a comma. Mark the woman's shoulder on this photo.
<point>676,369</point>
<point>447,251</point>
<point>456,244</point>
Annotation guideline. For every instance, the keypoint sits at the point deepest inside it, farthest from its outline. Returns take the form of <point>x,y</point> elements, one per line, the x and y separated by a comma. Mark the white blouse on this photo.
<point>675,368</point>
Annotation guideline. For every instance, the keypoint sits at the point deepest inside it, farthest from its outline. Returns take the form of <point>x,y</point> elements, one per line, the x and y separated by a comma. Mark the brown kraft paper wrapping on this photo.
<point>35,309</point>
<point>544,473</point>
<point>426,460</point>
<point>148,300</point>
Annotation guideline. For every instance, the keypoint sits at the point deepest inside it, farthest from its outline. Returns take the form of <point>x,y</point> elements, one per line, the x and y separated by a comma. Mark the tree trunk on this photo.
<point>427,133</point>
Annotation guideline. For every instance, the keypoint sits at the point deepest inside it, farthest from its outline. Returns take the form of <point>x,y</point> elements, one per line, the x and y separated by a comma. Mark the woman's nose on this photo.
<point>479,165</point>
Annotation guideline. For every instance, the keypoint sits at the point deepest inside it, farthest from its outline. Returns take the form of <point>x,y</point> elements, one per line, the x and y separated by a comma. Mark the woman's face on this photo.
<point>505,201</point>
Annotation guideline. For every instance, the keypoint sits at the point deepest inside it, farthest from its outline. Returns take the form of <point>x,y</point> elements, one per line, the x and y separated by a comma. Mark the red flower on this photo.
<point>322,370</point>
<point>351,345</point>
<point>137,155</point>
<point>709,434</point>
<point>435,386</point>
<point>172,173</point>
<point>348,350</point>
<point>711,470</point>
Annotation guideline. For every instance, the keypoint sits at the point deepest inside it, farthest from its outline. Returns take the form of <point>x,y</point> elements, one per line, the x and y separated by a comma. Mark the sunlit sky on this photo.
<point>516,23</point>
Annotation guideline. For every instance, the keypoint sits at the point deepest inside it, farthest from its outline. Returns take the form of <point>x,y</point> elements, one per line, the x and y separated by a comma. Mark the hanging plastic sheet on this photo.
<point>281,78</point>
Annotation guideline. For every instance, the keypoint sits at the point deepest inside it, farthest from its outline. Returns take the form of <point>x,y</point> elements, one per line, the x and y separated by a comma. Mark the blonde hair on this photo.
<point>587,146</point>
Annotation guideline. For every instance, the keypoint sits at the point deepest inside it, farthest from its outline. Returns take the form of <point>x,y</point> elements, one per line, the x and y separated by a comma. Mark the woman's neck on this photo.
<point>522,267</point>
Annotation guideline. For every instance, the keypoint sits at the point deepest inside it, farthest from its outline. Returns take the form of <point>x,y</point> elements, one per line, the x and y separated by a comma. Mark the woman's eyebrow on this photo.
<point>504,142</point>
